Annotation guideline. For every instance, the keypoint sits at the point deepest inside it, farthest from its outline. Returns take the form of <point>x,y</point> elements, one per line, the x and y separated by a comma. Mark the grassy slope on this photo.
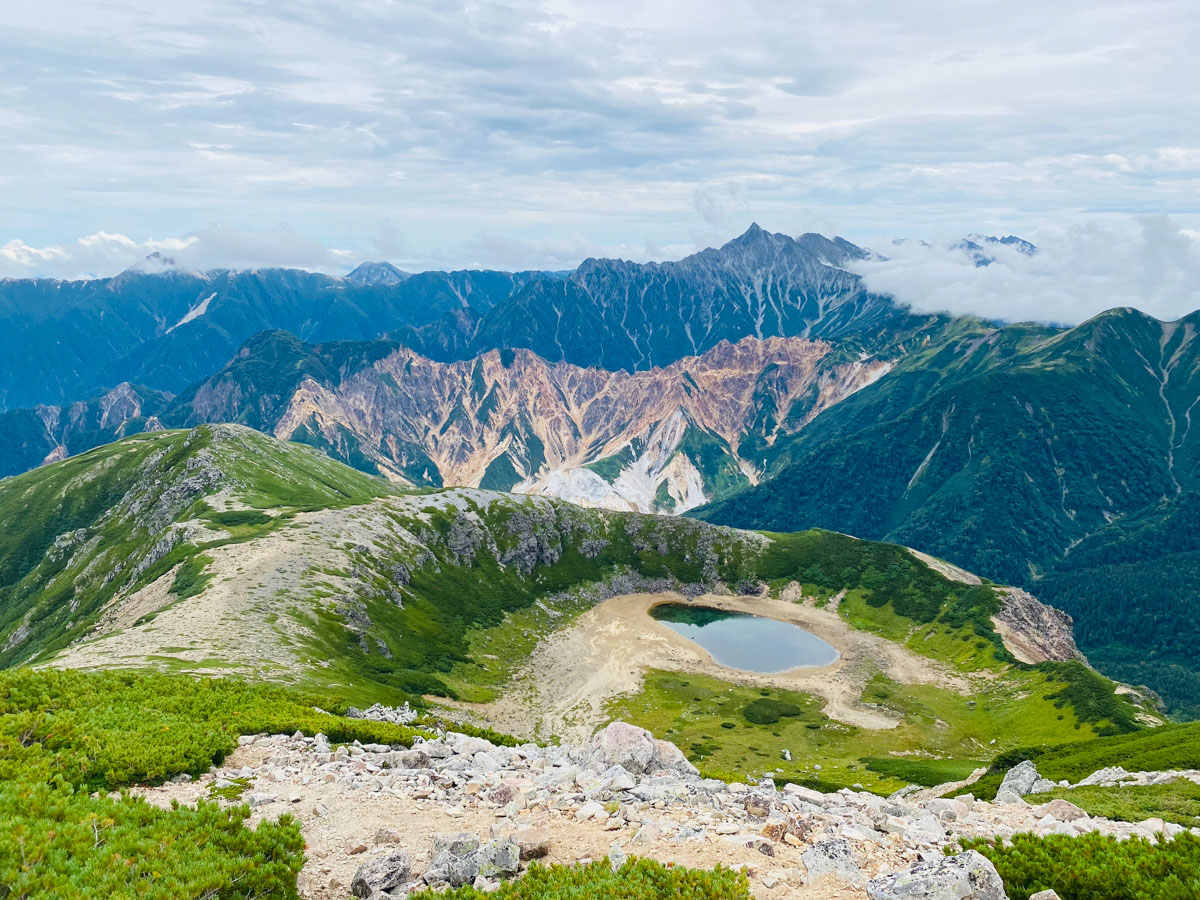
<point>109,510</point>
<point>1152,750</point>
<point>451,578</point>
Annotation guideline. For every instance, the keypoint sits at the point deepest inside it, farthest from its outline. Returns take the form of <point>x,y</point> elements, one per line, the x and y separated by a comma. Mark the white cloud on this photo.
<point>103,254</point>
<point>1149,263</point>
<point>623,122</point>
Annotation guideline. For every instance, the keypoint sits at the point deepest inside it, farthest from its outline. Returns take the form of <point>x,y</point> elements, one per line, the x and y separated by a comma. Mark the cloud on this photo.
<point>622,122</point>
<point>103,254</point>
<point>1150,263</point>
<point>554,254</point>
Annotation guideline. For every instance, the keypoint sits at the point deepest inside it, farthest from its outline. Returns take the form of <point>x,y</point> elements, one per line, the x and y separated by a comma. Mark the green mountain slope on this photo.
<point>999,449</point>
<point>1134,590</point>
<point>221,550</point>
<point>104,523</point>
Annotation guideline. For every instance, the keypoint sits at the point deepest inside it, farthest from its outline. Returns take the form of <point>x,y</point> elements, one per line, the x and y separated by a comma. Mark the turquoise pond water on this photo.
<point>742,641</point>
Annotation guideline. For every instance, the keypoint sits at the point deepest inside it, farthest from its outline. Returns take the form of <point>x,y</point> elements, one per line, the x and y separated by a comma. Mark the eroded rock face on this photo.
<point>1034,632</point>
<point>968,876</point>
<point>514,421</point>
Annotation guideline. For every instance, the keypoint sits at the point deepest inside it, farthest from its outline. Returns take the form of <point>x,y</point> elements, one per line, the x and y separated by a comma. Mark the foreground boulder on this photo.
<point>1020,779</point>
<point>833,858</point>
<point>636,751</point>
<point>459,859</point>
<point>384,874</point>
<point>968,876</point>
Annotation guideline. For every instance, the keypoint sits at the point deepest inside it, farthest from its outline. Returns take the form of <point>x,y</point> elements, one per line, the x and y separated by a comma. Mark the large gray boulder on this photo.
<point>384,874</point>
<point>636,750</point>
<point>832,858</point>
<point>968,876</point>
<point>1020,779</point>
<point>459,859</point>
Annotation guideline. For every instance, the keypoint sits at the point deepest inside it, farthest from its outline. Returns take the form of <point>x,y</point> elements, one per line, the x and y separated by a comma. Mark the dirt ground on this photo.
<point>563,688</point>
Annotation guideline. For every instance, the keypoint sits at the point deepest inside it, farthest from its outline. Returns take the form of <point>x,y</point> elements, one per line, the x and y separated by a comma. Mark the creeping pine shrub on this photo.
<point>64,734</point>
<point>765,711</point>
<point>637,879</point>
<point>1094,866</point>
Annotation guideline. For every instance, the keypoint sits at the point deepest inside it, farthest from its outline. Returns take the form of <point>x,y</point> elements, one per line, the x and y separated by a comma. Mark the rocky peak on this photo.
<point>377,273</point>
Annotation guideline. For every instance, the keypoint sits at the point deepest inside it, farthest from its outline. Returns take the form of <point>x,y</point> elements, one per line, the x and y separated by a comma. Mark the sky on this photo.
<point>317,134</point>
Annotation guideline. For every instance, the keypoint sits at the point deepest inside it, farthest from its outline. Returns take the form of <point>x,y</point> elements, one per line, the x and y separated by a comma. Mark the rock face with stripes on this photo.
<point>661,440</point>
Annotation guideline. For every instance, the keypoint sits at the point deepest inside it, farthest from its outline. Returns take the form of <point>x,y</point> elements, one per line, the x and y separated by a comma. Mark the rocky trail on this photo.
<point>382,821</point>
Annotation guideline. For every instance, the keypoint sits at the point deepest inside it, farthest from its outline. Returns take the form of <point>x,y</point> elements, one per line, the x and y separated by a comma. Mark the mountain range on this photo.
<point>758,385</point>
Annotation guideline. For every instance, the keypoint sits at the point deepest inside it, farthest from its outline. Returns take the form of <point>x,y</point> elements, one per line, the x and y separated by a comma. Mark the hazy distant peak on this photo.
<point>383,273</point>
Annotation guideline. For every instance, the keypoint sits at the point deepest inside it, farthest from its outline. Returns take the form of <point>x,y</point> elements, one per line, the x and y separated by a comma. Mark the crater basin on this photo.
<point>743,641</point>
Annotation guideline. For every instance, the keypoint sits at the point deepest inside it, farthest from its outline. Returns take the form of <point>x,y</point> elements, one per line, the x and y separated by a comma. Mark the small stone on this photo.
<point>1010,798</point>
<point>533,843</point>
<point>455,843</point>
<point>354,847</point>
<point>1061,810</point>
<point>589,810</point>
<point>616,856</point>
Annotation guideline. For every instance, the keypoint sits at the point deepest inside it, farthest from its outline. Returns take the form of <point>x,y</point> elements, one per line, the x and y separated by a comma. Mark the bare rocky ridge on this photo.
<point>512,420</point>
<point>1034,632</point>
<point>457,809</point>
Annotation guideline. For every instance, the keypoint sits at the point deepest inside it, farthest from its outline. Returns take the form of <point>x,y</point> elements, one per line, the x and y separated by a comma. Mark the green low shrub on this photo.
<point>1096,867</point>
<point>64,734</point>
<point>925,772</point>
<point>1175,801</point>
<point>1149,750</point>
<point>766,711</point>
<point>637,879</point>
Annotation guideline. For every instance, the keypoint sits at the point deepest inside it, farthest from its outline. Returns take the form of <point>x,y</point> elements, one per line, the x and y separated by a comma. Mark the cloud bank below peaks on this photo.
<point>1149,263</point>
<point>105,253</point>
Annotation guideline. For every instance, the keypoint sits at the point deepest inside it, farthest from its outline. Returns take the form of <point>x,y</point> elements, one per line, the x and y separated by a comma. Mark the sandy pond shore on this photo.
<point>573,674</point>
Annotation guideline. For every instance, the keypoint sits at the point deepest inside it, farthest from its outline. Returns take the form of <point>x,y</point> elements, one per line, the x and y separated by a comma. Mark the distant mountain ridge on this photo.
<point>166,327</point>
<point>69,340</point>
<point>622,315</point>
<point>760,378</point>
